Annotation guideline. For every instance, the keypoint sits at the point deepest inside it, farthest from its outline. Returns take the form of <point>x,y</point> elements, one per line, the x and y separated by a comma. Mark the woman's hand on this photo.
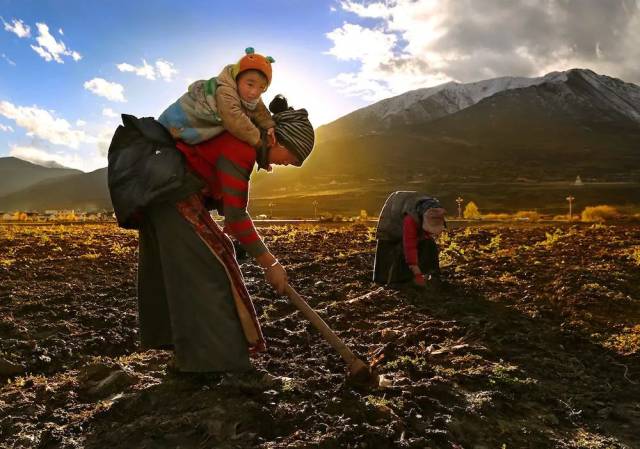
<point>276,275</point>
<point>418,277</point>
<point>271,132</point>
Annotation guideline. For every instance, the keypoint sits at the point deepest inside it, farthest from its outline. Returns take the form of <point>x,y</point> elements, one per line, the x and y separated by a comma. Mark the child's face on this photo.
<point>251,84</point>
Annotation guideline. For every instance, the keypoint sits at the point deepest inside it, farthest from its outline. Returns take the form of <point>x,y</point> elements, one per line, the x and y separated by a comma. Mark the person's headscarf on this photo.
<point>432,215</point>
<point>294,132</point>
<point>293,128</point>
<point>426,203</point>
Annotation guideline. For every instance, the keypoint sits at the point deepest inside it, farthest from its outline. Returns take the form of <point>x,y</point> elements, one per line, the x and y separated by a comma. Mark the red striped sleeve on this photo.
<point>234,201</point>
<point>228,180</point>
<point>249,239</point>
<point>238,152</point>
<point>242,162</point>
<point>240,226</point>
<point>234,169</point>
<point>243,231</point>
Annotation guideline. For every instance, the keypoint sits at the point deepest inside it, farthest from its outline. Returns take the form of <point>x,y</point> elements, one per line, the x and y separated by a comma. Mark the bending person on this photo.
<point>191,294</point>
<point>409,225</point>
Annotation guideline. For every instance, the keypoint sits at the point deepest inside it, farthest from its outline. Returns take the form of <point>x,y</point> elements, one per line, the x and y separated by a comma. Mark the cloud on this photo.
<point>107,89</point>
<point>165,69</point>
<point>358,85</point>
<point>382,72</point>
<point>17,27</point>
<point>108,112</point>
<point>44,124</point>
<point>372,10</point>
<point>400,45</point>
<point>60,32</point>
<point>42,52</point>
<point>145,70</point>
<point>9,61</point>
<point>103,141</point>
<point>51,49</point>
<point>39,156</point>
<point>162,68</point>
<point>87,151</point>
<point>6,128</point>
<point>89,160</point>
<point>359,43</point>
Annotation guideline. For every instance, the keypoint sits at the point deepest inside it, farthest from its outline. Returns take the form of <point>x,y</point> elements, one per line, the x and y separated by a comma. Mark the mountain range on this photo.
<point>17,174</point>
<point>425,105</point>
<point>77,190</point>
<point>508,142</point>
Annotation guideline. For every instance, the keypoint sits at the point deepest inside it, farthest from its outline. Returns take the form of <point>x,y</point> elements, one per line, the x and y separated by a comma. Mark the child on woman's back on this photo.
<point>231,101</point>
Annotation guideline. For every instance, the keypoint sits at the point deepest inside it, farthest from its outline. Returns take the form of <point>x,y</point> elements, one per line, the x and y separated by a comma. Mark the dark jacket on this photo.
<point>397,205</point>
<point>145,167</point>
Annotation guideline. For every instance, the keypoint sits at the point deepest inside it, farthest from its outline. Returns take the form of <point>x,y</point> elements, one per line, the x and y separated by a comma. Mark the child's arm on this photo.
<point>263,119</point>
<point>234,118</point>
<point>262,116</point>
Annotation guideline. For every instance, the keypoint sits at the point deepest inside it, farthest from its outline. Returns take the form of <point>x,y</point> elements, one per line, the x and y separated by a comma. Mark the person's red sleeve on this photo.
<point>410,240</point>
<point>234,170</point>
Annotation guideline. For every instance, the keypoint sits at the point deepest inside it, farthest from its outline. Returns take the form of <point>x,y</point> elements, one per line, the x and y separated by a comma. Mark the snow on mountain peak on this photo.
<point>430,103</point>
<point>433,102</point>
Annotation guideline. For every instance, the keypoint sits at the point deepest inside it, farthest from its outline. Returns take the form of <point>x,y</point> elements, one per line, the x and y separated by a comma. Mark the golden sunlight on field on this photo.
<point>539,321</point>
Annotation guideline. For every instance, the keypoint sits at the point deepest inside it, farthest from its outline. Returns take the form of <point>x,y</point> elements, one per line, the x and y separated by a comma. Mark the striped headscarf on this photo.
<point>426,203</point>
<point>294,131</point>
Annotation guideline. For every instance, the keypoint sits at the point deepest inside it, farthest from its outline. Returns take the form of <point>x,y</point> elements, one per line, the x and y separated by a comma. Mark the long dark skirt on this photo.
<point>390,266</point>
<point>184,296</point>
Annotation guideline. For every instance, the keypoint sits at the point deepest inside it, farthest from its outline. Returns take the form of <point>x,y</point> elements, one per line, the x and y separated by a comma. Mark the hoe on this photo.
<point>359,372</point>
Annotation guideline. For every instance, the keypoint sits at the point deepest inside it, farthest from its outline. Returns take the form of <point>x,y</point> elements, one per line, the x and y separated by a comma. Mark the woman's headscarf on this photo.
<point>426,203</point>
<point>432,215</point>
<point>293,128</point>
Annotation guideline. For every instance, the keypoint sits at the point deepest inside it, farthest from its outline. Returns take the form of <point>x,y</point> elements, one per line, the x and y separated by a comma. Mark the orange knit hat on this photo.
<point>253,61</point>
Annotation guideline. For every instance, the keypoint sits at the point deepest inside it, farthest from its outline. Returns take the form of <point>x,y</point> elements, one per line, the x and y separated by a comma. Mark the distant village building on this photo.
<point>66,215</point>
<point>51,214</point>
<point>578,181</point>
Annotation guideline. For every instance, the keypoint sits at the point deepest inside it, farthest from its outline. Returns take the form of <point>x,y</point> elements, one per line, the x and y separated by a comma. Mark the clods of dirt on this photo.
<point>535,344</point>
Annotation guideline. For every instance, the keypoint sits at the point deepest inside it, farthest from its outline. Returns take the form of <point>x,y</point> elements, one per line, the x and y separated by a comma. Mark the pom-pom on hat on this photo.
<point>278,104</point>
<point>253,61</point>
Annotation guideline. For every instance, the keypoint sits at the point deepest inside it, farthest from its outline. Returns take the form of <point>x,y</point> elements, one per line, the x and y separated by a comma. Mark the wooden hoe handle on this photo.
<point>352,361</point>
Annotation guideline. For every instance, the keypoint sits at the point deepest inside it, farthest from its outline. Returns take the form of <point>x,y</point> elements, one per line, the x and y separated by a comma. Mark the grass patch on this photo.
<point>405,361</point>
<point>507,375</point>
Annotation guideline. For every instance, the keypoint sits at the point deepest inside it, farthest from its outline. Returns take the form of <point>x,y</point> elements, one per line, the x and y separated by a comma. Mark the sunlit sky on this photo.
<point>68,68</point>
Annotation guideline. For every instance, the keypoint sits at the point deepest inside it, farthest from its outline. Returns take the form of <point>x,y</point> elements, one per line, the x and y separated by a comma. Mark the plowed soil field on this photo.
<point>535,344</point>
